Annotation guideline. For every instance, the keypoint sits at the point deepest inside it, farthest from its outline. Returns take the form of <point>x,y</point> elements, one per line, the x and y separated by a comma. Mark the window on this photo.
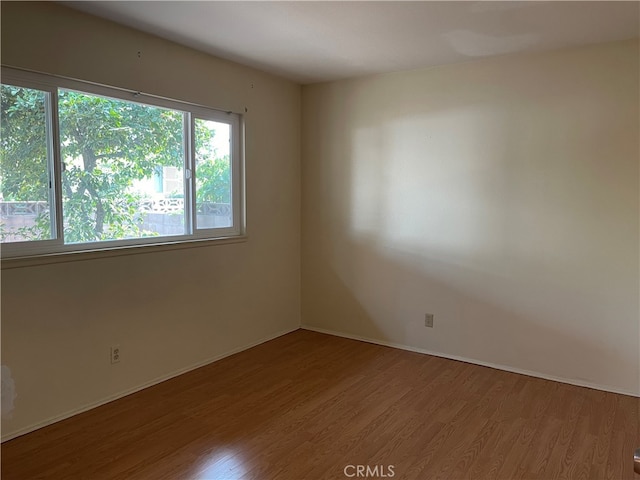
<point>86,167</point>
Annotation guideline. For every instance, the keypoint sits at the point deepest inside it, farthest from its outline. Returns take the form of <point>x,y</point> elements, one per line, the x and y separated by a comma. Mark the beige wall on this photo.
<point>500,195</point>
<point>168,310</point>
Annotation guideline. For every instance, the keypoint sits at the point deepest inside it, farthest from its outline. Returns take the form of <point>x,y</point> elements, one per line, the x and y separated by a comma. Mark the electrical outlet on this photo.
<point>428,320</point>
<point>115,353</point>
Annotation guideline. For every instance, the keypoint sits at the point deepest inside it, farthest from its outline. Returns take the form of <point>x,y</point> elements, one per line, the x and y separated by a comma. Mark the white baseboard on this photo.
<point>124,393</point>
<point>570,381</point>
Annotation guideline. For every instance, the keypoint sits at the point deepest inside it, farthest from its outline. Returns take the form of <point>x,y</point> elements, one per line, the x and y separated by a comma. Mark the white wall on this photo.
<point>500,195</point>
<point>169,310</point>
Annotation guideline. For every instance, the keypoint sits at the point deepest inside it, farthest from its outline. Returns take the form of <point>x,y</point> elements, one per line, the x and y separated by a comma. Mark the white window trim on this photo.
<point>27,253</point>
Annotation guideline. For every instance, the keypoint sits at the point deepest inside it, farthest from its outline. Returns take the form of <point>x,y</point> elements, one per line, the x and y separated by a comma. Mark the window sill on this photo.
<point>63,257</point>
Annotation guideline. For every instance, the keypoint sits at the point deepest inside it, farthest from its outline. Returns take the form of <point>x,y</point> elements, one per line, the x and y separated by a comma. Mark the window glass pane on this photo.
<point>213,174</point>
<point>24,166</point>
<point>123,169</point>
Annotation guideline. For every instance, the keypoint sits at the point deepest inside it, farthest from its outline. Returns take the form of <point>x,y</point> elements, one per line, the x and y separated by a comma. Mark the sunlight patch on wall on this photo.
<point>416,187</point>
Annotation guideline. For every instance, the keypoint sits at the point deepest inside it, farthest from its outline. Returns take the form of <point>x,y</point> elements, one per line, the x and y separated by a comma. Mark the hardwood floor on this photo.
<point>307,405</point>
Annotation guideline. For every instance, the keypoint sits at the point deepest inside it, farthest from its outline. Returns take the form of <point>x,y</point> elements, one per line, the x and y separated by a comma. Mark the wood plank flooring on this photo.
<point>307,405</point>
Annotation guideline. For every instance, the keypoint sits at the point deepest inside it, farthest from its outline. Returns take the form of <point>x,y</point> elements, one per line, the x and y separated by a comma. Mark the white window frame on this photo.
<point>50,84</point>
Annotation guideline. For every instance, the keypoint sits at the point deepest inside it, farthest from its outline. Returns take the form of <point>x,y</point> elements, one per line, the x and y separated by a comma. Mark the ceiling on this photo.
<point>315,41</point>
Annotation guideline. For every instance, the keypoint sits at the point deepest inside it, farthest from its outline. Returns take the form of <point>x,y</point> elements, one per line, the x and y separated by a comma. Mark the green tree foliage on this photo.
<point>23,154</point>
<point>213,181</point>
<point>118,142</point>
<point>106,145</point>
<point>212,171</point>
<point>23,145</point>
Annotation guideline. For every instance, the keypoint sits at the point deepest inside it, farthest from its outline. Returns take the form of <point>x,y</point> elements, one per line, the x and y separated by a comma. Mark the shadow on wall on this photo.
<point>509,210</point>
